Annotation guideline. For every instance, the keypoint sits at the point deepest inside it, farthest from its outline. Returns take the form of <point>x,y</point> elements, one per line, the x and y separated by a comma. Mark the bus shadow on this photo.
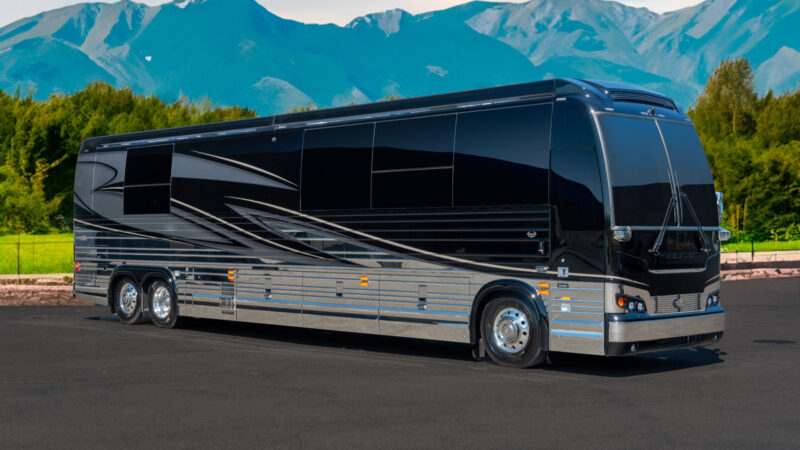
<point>618,367</point>
<point>333,339</point>
<point>631,366</point>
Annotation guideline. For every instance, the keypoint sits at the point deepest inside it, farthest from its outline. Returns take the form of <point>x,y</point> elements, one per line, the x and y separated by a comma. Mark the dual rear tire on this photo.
<point>161,303</point>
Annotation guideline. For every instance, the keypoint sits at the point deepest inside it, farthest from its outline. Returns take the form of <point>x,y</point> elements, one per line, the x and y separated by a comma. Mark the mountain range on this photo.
<point>235,52</point>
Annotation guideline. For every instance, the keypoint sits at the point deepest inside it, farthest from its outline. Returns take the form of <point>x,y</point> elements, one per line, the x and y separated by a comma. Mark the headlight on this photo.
<point>713,299</point>
<point>631,304</point>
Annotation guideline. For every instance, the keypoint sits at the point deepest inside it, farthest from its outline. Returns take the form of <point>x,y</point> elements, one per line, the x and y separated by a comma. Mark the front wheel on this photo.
<point>162,305</point>
<point>511,333</point>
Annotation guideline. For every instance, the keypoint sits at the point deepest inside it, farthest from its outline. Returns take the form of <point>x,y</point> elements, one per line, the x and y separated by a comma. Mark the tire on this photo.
<point>162,305</point>
<point>128,301</point>
<point>512,333</point>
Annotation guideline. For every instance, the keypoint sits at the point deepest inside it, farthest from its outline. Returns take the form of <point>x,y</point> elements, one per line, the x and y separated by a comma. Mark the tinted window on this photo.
<point>148,171</point>
<point>502,156</point>
<point>337,165</point>
<point>413,188</point>
<point>576,189</point>
<point>274,155</point>
<point>148,165</point>
<point>571,126</point>
<point>262,166</point>
<point>415,143</point>
<point>691,170</point>
<point>639,173</point>
<point>413,164</point>
<point>152,199</point>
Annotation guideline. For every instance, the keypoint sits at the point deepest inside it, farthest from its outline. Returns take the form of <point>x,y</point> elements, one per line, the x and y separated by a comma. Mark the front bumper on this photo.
<point>641,333</point>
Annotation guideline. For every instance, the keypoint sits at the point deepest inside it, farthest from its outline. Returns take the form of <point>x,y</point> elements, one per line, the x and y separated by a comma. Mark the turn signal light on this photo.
<point>544,285</point>
<point>621,301</point>
<point>231,275</point>
<point>77,267</point>
<point>544,292</point>
<point>364,281</point>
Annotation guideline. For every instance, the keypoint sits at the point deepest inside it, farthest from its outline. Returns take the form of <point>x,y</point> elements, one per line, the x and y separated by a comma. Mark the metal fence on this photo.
<point>32,256</point>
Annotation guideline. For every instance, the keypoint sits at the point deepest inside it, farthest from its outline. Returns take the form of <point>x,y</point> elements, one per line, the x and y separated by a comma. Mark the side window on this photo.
<point>576,190</point>
<point>147,180</point>
<point>336,167</point>
<point>413,163</point>
<point>502,156</point>
<point>258,166</point>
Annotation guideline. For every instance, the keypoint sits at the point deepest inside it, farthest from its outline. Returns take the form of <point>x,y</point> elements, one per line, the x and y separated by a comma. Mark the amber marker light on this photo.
<point>77,267</point>
<point>621,301</point>
<point>231,275</point>
<point>364,281</point>
<point>544,292</point>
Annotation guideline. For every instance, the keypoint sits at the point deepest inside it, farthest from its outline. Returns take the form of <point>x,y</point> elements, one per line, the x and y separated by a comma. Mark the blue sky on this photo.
<point>312,11</point>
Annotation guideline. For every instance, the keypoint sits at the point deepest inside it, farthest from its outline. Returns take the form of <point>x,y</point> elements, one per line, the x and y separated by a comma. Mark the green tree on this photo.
<point>779,120</point>
<point>47,135</point>
<point>728,102</point>
<point>753,147</point>
<point>24,207</point>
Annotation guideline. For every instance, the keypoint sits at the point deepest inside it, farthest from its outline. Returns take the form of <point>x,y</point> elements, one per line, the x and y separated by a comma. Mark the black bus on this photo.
<point>563,215</point>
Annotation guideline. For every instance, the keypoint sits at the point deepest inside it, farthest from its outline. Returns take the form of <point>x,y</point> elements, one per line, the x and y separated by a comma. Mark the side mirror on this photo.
<point>719,206</point>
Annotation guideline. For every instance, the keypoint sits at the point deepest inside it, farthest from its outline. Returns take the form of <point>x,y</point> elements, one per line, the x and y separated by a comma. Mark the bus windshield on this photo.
<point>639,171</point>
<point>692,172</point>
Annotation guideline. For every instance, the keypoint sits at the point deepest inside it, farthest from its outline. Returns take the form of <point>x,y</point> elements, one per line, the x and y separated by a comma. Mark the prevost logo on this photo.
<point>677,303</point>
<point>680,255</point>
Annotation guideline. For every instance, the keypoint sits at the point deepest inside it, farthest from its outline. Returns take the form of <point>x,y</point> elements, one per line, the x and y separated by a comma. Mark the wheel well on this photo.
<point>143,277</point>
<point>477,316</point>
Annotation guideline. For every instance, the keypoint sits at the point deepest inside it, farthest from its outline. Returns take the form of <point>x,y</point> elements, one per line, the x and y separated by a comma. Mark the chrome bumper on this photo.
<point>653,333</point>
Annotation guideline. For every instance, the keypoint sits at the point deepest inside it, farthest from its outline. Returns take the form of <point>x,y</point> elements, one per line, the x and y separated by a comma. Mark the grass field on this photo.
<point>52,253</point>
<point>766,246</point>
<point>49,253</point>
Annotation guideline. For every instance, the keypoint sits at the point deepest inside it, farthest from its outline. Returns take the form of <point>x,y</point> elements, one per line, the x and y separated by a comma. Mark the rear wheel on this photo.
<point>511,333</point>
<point>128,301</point>
<point>162,305</point>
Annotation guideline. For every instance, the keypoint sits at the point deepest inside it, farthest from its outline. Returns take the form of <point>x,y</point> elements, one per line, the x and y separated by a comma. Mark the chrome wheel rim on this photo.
<point>511,330</point>
<point>162,302</point>
<point>128,298</point>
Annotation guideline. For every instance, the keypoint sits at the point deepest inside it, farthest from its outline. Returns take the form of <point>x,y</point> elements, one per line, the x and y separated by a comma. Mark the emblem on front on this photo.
<point>677,303</point>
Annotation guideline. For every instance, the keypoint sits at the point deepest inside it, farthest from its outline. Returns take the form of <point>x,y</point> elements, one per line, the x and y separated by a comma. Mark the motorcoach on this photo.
<point>563,215</point>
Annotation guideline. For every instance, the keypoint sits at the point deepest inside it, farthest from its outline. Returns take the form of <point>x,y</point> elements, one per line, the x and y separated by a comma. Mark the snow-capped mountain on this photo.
<point>237,52</point>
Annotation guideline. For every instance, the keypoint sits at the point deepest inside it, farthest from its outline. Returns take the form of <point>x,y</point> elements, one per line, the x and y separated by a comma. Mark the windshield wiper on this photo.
<point>663,230</point>
<point>706,245</point>
<point>655,250</point>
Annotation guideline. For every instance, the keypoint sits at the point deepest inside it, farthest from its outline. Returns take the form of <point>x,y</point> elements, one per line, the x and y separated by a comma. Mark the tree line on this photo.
<point>39,143</point>
<point>752,144</point>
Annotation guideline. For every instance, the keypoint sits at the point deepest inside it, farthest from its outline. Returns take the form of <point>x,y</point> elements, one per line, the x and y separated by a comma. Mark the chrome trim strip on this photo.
<point>576,322</point>
<point>683,270</point>
<point>418,169</point>
<point>669,228</point>
<point>579,334</point>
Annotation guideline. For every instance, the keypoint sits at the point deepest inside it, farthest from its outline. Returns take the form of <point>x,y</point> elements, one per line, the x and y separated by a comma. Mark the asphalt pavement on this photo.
<point>75,377</point>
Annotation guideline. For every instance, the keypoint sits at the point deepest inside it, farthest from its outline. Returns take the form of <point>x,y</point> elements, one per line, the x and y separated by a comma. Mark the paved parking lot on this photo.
<point>74,377</point>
